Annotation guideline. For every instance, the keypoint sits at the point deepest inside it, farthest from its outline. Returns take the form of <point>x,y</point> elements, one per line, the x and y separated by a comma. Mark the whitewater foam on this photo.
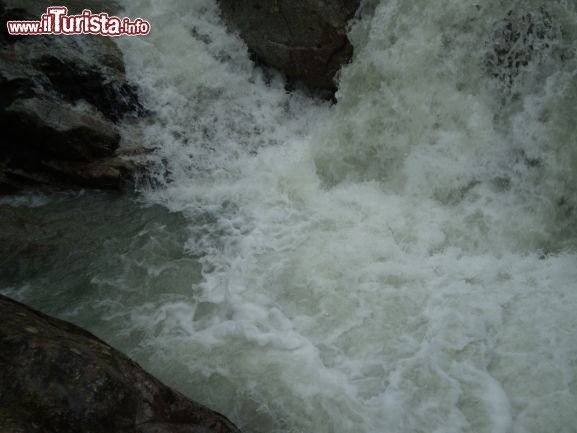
<point>403,261</point>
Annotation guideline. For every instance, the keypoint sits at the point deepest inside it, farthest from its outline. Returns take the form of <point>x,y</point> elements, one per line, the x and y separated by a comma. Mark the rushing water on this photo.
<point>403,261</point>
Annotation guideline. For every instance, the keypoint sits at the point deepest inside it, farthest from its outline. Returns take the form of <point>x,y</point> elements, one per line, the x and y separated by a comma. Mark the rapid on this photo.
<point>402,261</point>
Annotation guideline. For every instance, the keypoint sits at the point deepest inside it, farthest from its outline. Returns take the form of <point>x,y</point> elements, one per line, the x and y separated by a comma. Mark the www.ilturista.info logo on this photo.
<point>57,22</point>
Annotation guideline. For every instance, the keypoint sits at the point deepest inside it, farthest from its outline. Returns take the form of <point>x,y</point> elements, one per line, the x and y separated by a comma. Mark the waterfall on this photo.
<point>400,261</point>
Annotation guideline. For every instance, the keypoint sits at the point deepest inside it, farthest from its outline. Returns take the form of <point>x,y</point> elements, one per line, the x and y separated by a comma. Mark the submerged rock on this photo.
<point>60,99</point>
<point>59,378</point>
<point>521,38</point>
<point>305,39</point>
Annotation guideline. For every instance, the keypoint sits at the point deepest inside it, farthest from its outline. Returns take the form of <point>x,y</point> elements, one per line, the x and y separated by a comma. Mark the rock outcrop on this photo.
<point>60,99</point>
<point>305,39</point>
<point>59,378</point>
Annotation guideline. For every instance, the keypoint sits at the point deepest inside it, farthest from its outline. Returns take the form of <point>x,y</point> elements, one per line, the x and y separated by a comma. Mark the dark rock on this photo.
<point>60,100</point>
<point>518,39</point>
<point>113,98</point>
<point>305,39</point>
<point>59,378</point>
<point>46,128</point>
<point>108,173</point>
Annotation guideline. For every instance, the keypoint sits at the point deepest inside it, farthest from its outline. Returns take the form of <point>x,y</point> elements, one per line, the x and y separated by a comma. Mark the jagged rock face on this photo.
<point>305,39</point>
<point>59,378</point>
<point>60,99</point>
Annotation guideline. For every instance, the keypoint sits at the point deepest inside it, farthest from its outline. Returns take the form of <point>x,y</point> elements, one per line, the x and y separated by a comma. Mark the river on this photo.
<point>402,261</point>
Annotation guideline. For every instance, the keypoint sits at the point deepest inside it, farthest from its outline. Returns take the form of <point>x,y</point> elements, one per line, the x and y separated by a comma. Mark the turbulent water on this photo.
<point>402,261</point>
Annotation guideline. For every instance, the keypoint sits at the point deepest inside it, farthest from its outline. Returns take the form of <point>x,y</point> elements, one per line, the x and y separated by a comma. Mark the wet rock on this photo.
<point>104,173</point>
<point>518,39</point>
<point>61,98</point>
<point>305,39</point>
<point>59,378</point>
<point>43,128</point>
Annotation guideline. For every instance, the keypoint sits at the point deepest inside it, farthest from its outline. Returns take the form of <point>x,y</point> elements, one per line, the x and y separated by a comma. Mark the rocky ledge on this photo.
<point>59,378</point>
<point>60,102</point>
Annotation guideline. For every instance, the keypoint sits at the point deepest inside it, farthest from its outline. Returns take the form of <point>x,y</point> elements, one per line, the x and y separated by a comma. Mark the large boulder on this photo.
<point>59,378</point>
<point>60,100</point>
<point>305,39</point>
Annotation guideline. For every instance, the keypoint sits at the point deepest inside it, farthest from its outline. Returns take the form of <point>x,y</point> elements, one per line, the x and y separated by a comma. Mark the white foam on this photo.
<point>402,262</point>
